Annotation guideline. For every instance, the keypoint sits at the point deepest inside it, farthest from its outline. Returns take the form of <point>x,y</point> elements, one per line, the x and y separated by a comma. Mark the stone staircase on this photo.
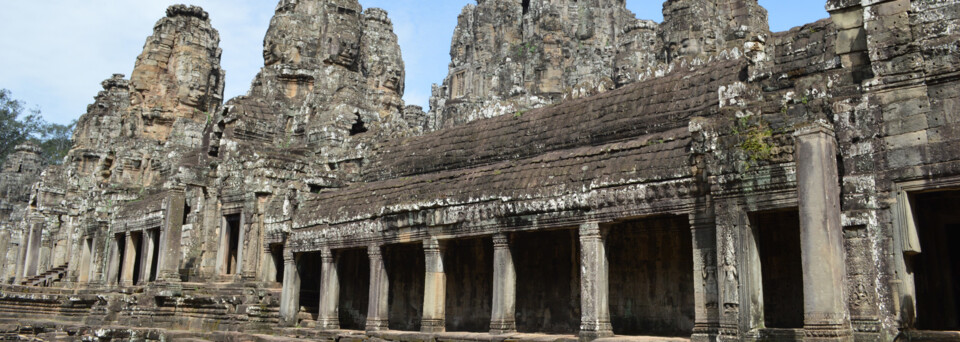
<point>47,278</point>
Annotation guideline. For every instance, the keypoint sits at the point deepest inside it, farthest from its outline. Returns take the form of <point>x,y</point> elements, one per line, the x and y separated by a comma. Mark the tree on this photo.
<point>55,141</point>
<point>15,126</point>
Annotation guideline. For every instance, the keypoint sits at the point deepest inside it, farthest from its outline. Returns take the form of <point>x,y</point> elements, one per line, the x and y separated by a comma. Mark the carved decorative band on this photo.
<point>817,127</point>
<point>431,245</point>
<point>827,331</point>
<point>589,230</point>
<point>328,323</point>
<point>596,326</point>
<point>503,326</point>
<point>374,252</point>
<point>377,324</point>
<point>866,325</point>
<point>501,241</point>
<point>432,325</point>
<point>326,254</point>
<point>706,328</point>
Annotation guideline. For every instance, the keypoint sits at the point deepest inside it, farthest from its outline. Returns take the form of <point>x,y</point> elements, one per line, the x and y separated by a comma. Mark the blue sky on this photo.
<point>56,52</point>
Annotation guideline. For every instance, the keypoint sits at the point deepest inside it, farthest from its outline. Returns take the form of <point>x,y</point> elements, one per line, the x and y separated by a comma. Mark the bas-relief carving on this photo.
<point>330,65</point>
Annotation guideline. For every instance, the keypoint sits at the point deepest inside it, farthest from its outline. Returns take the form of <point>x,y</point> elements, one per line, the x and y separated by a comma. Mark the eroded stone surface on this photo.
<point>700,136</point>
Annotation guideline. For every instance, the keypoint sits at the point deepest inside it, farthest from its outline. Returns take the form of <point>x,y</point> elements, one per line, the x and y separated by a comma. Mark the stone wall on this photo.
<point>548,193</point>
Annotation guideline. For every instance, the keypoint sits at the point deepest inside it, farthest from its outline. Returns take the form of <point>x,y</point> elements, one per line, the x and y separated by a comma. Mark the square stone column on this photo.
<point>435,288</point>
<point>21,257</point>
<point>706,297</point>
<point>594,286</point>
<point>32,259</point>
<point>129,261</point>
<point>825,314</point>
<point>170,255</point>
<point>379,306</point>
<point>146,254</point>
<point>329,316</point>
<point>502,319</point>
<point>290,294</point>
<point>114,268</point>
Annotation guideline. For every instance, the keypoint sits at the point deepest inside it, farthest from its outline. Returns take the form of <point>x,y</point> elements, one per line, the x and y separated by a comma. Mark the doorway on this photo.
<point>936,268</point>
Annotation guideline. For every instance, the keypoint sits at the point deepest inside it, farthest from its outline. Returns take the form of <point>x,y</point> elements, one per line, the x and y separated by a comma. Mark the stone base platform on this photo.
<point>11,330</point>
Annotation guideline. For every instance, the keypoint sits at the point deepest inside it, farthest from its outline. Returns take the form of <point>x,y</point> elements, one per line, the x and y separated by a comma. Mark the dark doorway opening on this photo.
<point>276,253</point>
<point>406,270</point>
<point>651,277</point>
<point>777,236</point>
<point>233,243</point>
<point>468,265</point>
<point>353,270</point>
<point>308,265</point>
<point>937,268</point>
<point>186,212</point>
<point>526,6</point>
<point>548,281</point>
<point>137,255</point>
<point>121,243</point>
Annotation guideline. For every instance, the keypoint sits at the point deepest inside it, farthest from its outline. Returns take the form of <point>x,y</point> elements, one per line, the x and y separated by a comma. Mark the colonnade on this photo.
<point>826,316</point>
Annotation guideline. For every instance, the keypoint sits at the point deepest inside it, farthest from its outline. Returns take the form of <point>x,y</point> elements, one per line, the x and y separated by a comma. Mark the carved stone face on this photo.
<point>392,76</point>
<point>624,74</point>
<point>690,47</point>
<point>270,57</point>
<point>192,95</point>
<point>344,46</point>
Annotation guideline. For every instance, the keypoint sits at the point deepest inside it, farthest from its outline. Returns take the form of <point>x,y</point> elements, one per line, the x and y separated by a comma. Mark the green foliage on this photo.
<point>18,125</point>
<point>524,49</point>
<point>754,139</point>
<point>519,114</point>
<point>55,141</point>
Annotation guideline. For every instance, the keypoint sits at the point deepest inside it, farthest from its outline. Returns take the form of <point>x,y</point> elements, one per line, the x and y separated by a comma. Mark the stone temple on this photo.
<point>580,175</point>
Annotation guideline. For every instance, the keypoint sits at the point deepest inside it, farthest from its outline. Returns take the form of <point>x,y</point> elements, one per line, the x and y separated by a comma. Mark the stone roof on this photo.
<point>634,135</point>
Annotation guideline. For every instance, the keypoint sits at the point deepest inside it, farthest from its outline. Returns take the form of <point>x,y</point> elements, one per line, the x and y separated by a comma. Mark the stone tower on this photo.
<point>178,75</point>
<point>508,56</point>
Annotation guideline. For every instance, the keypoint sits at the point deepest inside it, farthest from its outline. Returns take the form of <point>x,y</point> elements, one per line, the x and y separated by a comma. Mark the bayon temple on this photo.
<point>580,175</point>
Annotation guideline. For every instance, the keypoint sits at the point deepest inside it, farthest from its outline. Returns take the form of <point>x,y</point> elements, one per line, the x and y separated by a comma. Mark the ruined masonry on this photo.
<point>580,175</point>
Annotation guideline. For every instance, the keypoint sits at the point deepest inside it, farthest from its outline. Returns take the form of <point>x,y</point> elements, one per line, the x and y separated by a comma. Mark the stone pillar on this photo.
<point>32,260</point>
<point>129,261</point>
<point>248,253</point>
<point>21,258</point>
<point>290,294</point>
<point>170,255</point>
<point>378,309</point>
<point>824,270</point>
<point>594,288</point>
<point>114,269</point>
<point>502,320</point>
<point>435,288</point>
<point>329,317</point>
<point>706,291</point>
<point>146,254</point>
<point>86,255</point>
<point>4,254</point>
<point>223,253</point>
